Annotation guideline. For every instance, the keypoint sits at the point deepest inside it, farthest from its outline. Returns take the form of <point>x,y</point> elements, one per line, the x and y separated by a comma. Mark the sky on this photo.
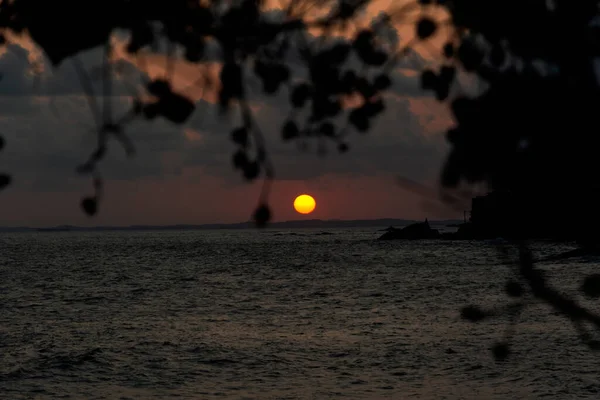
<point>184,175</point>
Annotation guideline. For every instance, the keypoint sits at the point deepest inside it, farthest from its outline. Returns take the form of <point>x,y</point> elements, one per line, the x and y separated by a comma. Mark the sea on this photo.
<point>278,314</point>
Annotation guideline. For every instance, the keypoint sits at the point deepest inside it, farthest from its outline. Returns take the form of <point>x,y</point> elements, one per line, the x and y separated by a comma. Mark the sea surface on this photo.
<point>275,314</point>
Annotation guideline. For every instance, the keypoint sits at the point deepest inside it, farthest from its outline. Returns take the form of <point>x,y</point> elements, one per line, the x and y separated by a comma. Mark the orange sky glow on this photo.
<point>185,192</point>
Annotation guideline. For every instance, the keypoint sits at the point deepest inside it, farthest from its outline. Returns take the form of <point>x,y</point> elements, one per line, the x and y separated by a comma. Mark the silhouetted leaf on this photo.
<point>470,55</point>
<point>501,351</point>
<point>240,159</point>
<point>5,180</point>
<point>159,88</point>
<point>591,286</point>
<point>232,85</point>
<point>363,40</point>
<point>497,56</point>
<point>375,58</point>
<point>374,107</point>
<point>300,94</point>
<point>2,143</point>
<point>382,82</point>
<point>447,73</point>
<point>176,108</point>
<point>428,79</point>
<point>327,129</point>
<point>472,313</point>
<point>151,110</point>
<point>513,289</point>
<point>261,154</point>
<point>425,28</point>
<point>195,52</point>
<point>141,36</point>
<point>338,54</point>
<point>240,136</point>
<point>364,87</point>
<point>290,130</point>
<point>348,80</point>
<point>90,205</point>
<point>448,50</point>
<point>593,345</point>
<point>251,170</point>
<point>343,147</point>
<point>65,28</point>
<point>262,215</point>
<point>359,118</point>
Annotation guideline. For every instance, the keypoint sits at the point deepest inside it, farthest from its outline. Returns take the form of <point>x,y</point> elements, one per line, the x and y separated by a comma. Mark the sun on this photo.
<point>304,204</point>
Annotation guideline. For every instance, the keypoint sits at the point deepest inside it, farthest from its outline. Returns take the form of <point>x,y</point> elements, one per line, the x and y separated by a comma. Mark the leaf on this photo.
<point>513,289</point>
<point>448,50</point>
<point>348,82</point>
<point>2,142</point>
<point>365,88</point>
<point>262,215</point>
<point>300,94</point>
<point>363,41</point>
<point>65,28</point>
<point>375,58</point>
<point>151,110</point>
<point>382,82</point>
<point>240,136</point>
<point>194,52</point>
<point>240,159</point>
<point>327,129</point>
<point>470,55</point>
<point>426,27</point>
<point>338,54</point>
<point>232,84</point>
<point>251,170</point>
<point>159,88</point>
<point>358,117</point>
<point>373,108</point>
<point>281,72</point>
<point>89,205</point>
<point>261,68</point>
<point>591,286</point>
<point>290,130</point>
<point>501,351</point>
<point>447,73</point>
<point>5,180</point>
<point>141,36</point>
<point>497,56</point>
<point>176,108</point>
<point>332,108</point>
<point>428,79</point>
<point>472,314</point>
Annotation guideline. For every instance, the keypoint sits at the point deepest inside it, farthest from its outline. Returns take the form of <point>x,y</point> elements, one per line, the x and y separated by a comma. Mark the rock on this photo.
<point>419,230</point>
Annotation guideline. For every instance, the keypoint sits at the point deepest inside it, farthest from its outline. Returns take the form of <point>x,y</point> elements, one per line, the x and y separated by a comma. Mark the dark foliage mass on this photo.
<point>529,130</point>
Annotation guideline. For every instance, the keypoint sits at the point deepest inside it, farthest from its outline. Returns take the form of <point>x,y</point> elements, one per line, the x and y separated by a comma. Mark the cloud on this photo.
<point>49,133</point>
<point>19,78</point>
<point>55,144</point>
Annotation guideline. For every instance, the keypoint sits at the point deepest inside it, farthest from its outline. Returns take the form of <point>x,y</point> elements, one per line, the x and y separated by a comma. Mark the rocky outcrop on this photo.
<point>419,230</point>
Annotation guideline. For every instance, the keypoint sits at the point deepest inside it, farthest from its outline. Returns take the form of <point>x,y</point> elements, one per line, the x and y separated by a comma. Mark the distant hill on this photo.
<point>297,224</point>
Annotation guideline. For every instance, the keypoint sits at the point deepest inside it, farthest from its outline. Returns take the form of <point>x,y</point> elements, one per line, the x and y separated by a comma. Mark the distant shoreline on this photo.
<point>296,224</point>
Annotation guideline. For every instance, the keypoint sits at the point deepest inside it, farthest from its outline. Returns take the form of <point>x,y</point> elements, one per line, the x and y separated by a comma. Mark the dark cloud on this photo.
<point>49,136</point>
<point>19,78</point>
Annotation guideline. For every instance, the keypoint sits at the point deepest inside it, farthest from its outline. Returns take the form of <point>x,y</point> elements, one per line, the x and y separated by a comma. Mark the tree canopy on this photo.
<point>530,129</point>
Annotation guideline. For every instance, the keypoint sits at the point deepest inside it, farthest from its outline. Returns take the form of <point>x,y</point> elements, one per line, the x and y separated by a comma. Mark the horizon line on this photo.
<point>222,224</point>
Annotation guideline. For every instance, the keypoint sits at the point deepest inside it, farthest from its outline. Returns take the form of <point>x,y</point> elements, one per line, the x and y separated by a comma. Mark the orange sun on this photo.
<point>304,204</point>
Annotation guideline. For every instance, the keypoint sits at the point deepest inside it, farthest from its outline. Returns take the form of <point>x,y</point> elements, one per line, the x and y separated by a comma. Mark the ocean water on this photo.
<point>272,314</point>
